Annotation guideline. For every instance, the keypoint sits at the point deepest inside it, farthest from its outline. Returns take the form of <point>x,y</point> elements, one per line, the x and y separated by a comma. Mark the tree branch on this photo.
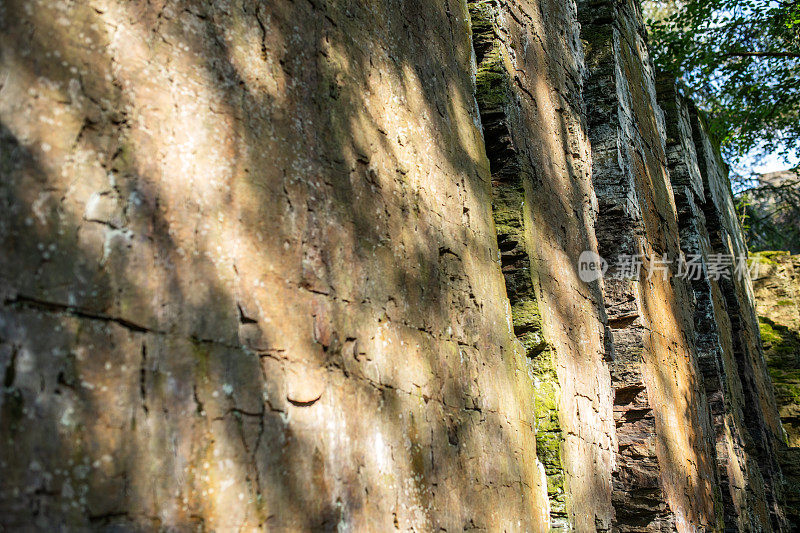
<point>762,54</point>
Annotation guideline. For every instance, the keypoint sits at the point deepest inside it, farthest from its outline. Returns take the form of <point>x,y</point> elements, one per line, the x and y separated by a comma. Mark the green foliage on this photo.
<point>741,60</point>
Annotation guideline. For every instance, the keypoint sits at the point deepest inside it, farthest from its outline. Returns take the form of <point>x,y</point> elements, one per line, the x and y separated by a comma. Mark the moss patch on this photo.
<point>491,77</point>
<point>549,437</point>
<point>781,345</point>
<point>782,352</point>
<point>769,258</point>
<point>768,334</point>
<point>201,357</point>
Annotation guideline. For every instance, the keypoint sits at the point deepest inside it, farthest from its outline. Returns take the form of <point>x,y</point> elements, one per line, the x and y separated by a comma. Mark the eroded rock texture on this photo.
<point>312,265</point>
<point>255,279</point>
<point>722,325</point>
<point>665,470</point>
<point>761,418</point>
<point>528,88</point>
<point>777,289</point>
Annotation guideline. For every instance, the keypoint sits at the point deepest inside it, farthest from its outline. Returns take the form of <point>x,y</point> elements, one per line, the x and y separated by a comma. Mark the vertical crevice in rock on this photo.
<point>509,172</point>
<point>306,266</point>
<point>638,499</point>
<point>758,443</point>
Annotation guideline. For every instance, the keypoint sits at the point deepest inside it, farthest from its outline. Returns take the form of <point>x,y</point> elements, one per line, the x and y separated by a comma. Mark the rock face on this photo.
<point>529,95</point>
<point>255,276</point>
<point>741,403</point>
<point>315,265</point>
<point>777,290</point>
<point>660,409</point>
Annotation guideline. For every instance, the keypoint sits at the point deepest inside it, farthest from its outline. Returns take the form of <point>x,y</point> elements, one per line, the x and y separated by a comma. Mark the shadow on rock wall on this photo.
<point>250,275</point>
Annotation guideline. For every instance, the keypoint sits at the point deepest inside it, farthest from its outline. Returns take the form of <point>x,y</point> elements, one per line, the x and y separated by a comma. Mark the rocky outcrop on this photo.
<point>664,478</point>
<point>777,290</point>
<point>255,280</point>
<point>529,94</point>
<point>758,401</point>
<point>729,355</point>
<point>315,266</point>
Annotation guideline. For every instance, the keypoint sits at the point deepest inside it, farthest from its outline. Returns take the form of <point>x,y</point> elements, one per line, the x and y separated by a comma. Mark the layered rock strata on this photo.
<point>745,482</point>
<point>314,265</point>
<point>777,290</point>
<point>665,472</point>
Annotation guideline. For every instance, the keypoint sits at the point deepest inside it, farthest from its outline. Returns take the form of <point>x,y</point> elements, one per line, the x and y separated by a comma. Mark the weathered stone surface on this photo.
<point>254,279</point>
<point>528,83</point>
<point>777,290</point>
<point>304,266</point>
<point>665,470</point>
<point>760,413</point>
<point>745,505</point>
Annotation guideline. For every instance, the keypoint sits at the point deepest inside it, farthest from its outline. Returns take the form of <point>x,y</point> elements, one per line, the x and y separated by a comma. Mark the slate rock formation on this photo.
<point>314,265</point>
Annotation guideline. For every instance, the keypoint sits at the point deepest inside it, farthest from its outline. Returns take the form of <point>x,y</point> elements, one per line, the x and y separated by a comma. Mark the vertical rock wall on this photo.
<point>313,266</point>
<point>764,432</point>
<point>529,94</point>
<point>665,474</point>
<point>745,480</point>
<point>254,279</point>
<point>713,334</point>
<point>777,289</point>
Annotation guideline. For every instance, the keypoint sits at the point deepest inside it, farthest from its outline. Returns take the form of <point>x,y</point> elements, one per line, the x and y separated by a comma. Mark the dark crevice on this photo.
<point>639,503</point>
<point>244,319</point>
<point>510,174</point>
<point>55,307</point>
<point>11,369</point>
<point>108,517</point>
<point>199,408</point>
<point>143,380</point>
<point>308,403</point>
<point>622,322</point>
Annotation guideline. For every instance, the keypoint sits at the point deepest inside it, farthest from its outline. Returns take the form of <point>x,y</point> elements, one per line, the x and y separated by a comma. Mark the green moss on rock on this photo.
<point>781,344</point>
<point>494,91</point>
<point>768,257</point>
<point>491,77</point>
<point>768,334</point>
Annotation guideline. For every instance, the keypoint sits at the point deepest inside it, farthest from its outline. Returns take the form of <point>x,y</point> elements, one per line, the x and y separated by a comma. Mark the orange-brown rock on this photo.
<point>302,266</point>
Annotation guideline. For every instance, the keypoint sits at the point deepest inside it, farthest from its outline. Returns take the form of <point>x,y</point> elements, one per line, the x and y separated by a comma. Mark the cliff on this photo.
<point>777,290</point>
<point>320,265</point>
